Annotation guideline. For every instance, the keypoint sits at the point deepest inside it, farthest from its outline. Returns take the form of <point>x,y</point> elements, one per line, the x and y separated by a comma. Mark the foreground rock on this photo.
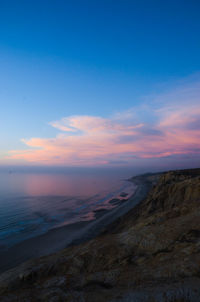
<point>150,254</point>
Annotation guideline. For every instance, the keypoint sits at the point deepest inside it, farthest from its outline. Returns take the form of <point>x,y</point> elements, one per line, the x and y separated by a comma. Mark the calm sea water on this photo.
<point>33,202</point>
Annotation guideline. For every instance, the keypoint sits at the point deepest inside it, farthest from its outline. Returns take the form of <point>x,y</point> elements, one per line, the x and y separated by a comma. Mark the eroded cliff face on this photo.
<point>150,254</point>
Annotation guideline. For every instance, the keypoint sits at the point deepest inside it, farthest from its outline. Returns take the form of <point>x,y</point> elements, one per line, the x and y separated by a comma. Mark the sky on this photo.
<point>100,83</point>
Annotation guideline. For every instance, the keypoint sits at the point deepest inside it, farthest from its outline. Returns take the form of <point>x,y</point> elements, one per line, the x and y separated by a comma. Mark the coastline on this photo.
<point>150,253</point>
<point>62,237</point>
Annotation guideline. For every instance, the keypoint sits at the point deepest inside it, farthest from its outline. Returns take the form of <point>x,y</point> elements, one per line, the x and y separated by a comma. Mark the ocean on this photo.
<point>34,201</point>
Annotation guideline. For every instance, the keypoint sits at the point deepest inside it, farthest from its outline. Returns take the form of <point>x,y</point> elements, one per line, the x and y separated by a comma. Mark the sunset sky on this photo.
<point>100,82</point>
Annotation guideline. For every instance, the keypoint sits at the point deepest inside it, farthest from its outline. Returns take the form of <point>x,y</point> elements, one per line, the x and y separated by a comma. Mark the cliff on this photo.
<point>150,254</point>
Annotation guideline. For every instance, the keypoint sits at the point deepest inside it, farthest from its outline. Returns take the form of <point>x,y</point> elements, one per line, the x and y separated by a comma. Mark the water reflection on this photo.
<point>33,203</point>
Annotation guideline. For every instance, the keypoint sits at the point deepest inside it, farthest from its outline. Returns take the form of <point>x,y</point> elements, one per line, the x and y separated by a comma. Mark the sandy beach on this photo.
<point>59,238</point>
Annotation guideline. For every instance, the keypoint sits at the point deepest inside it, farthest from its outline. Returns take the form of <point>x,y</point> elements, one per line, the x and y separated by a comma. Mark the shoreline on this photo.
<point>72,234</point>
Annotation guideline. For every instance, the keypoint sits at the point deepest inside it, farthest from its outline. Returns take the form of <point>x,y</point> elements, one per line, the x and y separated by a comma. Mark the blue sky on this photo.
<point>91,58</point>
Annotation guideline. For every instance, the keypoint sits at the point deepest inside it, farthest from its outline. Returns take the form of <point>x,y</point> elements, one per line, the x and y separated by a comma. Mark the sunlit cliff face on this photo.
<point>169,127</point>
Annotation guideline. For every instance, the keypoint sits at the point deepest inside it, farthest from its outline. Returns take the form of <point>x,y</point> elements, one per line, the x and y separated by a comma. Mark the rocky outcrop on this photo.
<point>150,254</point>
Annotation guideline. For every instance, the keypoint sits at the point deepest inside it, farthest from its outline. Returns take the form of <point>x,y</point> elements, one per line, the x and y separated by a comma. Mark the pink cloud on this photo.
<point>92,140</point>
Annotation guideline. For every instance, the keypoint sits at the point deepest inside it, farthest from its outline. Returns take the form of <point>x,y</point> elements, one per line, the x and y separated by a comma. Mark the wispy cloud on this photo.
<point>168,126</point>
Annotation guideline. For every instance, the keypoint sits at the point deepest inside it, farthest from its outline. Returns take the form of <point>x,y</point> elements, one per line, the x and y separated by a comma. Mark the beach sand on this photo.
<point>61,237</point>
